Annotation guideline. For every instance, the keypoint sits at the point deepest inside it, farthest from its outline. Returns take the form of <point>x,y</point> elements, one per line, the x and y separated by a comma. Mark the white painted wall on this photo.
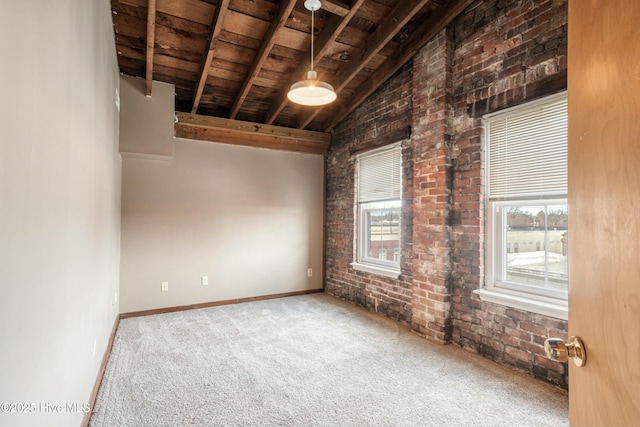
<point>249,219</point>
<point>59,204</point>
<point>146,122</point>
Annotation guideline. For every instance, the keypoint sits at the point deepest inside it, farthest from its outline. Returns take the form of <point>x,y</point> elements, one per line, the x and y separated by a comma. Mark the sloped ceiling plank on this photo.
<point>436,22</point>
<point>193,10</point>
<point>329,34</point>
<point>336,7</point>
<point>216,27</point>
<point>269,40</point>
<point>399,16</point>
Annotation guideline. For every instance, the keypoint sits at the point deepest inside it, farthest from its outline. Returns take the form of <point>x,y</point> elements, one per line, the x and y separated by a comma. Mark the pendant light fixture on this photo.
<point>312,91</point>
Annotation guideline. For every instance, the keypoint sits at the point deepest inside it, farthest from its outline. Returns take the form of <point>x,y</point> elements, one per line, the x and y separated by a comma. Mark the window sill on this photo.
<point>523,301</point>
<point>374,269</point>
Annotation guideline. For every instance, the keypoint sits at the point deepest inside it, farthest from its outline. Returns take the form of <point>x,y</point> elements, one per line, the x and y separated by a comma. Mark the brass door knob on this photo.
<point>561,351</point>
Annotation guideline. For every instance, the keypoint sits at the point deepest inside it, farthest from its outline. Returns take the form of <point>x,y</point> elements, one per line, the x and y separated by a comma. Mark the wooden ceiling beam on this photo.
<point>216,27</point>
<point>398,18</point>
<point>235,132</point>
<point>329,34</point>
<point>192,10</point>
<point>269,40</point>
<point>430,27</point>
<point>336,7</point>
<point>151,34</point>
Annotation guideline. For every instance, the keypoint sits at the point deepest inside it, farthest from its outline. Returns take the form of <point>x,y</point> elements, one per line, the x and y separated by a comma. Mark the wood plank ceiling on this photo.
<point>236,59</point>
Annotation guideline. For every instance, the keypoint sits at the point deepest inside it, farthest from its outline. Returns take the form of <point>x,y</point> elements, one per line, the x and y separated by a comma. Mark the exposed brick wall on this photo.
<point>430,136</point>
<point>497,54</point>
<point>379,120</point>
<point>505,53</point>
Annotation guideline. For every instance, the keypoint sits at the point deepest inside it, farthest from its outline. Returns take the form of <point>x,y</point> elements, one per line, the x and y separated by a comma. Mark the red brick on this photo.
<point>539,330</point>
<point>543,361</point>
<point>532,348</point>
<point>518,315</point>
<point>518,333</point>
<point>518,353</point>
<point>550,322</point>
<point>467,70</point>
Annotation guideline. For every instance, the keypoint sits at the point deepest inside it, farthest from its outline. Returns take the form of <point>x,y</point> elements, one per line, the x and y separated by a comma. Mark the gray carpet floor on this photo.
<point>309,360</point>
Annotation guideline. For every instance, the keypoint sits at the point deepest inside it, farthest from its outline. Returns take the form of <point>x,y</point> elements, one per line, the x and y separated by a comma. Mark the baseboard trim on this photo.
<point>216,303</point>
<point>103,366</point>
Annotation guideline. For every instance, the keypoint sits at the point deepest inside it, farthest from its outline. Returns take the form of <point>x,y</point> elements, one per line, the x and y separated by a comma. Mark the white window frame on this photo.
<point>363,262</point>
<point>497,290</point>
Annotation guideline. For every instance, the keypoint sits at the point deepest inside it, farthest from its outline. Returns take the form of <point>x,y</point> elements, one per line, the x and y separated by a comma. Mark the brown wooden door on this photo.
<point>604,210</point>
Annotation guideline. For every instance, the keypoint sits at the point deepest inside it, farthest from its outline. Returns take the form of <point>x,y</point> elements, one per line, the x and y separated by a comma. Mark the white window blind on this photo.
<point>379,175</point>
<point>527,154</point>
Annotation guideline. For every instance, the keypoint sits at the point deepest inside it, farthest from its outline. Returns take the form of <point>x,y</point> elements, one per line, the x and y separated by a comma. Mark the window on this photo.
<point>379,188</point>
<point>526,200</point>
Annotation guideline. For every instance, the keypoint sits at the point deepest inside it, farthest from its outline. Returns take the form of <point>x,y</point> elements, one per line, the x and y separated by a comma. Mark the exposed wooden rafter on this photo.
<point>238,59</point>
<point>227,131</point>
<point>216,27</point>
<point>192,10</point>
<point>269,40</point>
<point>329,34</point>
<point>399,16</point>
<point>436,22</point>
<point>151,34</point>
<point>336,7</point>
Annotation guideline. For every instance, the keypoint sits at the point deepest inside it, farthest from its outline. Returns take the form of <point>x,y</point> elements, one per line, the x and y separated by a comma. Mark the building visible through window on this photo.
<point>527,199</point>
<point>378,210</point>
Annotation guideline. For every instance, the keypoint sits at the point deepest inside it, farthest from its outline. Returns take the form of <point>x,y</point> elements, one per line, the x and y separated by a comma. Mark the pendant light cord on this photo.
<point>312,24</point>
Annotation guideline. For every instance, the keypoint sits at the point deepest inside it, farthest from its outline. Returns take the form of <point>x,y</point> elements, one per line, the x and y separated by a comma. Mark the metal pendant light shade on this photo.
<point>312,92</point>
<point>313,5</point>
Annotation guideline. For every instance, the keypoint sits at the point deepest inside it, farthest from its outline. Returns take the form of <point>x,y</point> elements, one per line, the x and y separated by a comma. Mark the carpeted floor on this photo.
<point>306,361</point>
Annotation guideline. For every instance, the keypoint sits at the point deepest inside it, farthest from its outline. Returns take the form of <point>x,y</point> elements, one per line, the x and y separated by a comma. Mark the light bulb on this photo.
<point>311,91</point>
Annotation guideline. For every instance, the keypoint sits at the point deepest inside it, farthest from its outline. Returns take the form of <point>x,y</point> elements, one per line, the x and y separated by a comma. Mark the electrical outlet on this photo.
<point>204,280</point>
<point>165,286</point>
<point>95,342</point>
<point>309,272</point>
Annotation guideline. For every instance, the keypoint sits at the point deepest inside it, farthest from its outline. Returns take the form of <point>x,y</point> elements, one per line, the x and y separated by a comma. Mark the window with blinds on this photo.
<point>527,155</point>
<point>379,192</point>
<point>526,167</point>
<point>379,175</point>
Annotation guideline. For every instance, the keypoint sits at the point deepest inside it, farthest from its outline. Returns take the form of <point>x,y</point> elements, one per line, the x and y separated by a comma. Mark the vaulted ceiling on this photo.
<point>236,59</point>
